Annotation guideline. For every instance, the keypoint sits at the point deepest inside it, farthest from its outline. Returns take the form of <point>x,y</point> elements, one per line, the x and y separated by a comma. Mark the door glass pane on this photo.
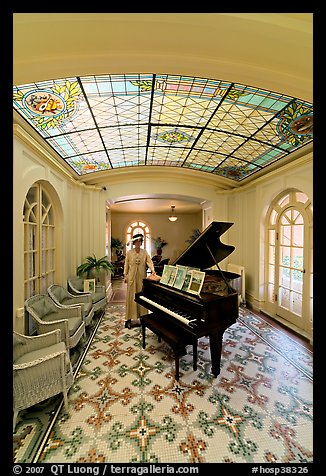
<point>297,303</point>
<point>298,234</point>
<point>284,297</point>
<point>285,277</point>
<point>285,253</point>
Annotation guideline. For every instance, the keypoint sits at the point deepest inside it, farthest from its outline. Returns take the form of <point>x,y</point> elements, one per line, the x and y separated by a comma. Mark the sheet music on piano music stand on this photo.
<point>181,277</point>
<point>196,282</point>
<point>168,274</point>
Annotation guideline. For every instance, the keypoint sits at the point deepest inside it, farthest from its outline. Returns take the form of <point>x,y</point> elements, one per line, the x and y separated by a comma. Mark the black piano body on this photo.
<point>191,316</point>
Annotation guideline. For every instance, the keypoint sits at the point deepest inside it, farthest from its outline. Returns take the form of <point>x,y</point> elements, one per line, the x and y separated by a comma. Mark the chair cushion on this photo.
<point>69,301</point>
<point>73,322</point>
<point>39,353</point>
<point>97,296</point>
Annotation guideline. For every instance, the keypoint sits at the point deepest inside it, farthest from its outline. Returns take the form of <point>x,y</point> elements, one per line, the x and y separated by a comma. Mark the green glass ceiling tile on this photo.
<point>202,167</point>
<point>268,157</point>
<point>183,121</point>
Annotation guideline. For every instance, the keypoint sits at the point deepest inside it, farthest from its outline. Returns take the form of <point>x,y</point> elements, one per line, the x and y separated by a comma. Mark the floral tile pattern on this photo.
<point>126,406</point>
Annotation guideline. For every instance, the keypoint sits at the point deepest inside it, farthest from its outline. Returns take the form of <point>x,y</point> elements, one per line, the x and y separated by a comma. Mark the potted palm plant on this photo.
<point>117,245</point>
<point>195,233</point>
<point>93,266</point>
<point>159,243</point>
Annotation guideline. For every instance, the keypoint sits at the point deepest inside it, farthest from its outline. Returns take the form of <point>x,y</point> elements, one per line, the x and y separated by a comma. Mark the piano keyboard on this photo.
<point>188,322</point>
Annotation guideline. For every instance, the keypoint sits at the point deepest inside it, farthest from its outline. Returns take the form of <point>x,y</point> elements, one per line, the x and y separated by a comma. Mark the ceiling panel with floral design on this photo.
<point>98,123</point>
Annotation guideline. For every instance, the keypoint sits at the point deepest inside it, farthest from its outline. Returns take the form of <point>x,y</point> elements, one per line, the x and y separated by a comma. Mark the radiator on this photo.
<point>239,285</point>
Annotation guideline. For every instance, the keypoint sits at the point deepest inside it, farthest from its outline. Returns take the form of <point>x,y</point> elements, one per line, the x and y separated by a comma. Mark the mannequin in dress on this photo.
<point>136,263</point>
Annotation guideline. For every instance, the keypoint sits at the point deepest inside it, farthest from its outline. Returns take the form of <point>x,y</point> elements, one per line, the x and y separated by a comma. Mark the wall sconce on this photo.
<point>173,217</point>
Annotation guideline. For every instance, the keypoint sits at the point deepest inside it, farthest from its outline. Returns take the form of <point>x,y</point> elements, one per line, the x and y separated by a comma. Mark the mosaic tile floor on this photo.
<point>126,406</point>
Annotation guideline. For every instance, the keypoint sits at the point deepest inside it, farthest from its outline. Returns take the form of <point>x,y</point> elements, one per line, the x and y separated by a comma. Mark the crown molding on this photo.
<point>25,137</point>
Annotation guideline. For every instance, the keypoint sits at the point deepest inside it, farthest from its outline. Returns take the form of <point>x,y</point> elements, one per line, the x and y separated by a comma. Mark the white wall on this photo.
<point>175,233</point>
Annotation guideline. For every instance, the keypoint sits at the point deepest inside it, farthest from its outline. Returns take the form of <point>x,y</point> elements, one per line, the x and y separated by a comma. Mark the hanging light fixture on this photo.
<point>173,217</point>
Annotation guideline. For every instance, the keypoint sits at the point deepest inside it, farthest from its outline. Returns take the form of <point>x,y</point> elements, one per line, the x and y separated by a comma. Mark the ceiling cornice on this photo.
<point>21,134</point>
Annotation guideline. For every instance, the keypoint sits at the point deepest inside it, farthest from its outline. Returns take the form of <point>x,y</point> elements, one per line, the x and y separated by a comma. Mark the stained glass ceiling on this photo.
<point>100,123</point>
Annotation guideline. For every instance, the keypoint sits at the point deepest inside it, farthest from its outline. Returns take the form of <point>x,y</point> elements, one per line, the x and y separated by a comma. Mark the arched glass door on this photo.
<point>289,288</point>
<point>39,243</point>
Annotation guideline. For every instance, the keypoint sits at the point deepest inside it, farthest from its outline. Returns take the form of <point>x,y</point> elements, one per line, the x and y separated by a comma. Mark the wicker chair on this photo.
<point>75,285</point>
<point>64,298</point>
<point>48,316</point>
<point>41,369</point>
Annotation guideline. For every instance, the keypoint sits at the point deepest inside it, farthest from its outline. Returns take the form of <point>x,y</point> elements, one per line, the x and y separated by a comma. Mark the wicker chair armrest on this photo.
<point>41,360</point>
<point>62,325</point>
<point>86,297</point>
<point>79,305</point>
<point>76,291</point>
<point>76,310</point>
<point>39,341</point>
<point>73,288</point>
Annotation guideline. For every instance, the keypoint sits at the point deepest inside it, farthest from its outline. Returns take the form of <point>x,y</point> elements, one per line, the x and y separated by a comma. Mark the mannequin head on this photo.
<point>137,240</point>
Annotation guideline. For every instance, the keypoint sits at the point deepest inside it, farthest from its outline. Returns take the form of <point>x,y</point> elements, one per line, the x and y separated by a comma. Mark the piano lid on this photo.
<point>207,249</point>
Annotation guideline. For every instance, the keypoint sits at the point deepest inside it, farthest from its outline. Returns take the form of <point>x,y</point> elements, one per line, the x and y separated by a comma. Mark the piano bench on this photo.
<point>172,336</point>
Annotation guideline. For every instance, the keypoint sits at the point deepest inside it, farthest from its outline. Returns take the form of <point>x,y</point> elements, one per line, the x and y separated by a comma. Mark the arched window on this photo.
<point>39,243</point>
<point>139,227</point>
<point>289,269</point>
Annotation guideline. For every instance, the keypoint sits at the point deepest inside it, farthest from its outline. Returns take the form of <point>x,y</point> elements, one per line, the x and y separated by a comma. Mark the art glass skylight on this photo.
<point>100,123</point>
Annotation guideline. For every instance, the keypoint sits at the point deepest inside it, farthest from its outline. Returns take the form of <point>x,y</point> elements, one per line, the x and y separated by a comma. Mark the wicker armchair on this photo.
<point>48,316</point>
<point>75,285</point>
<point>64,298</point>
<point>41,369</point>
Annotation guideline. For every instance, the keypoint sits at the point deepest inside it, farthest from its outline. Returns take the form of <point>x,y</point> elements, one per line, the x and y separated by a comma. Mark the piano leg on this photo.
<point>194,354</point>
<point>215,343</point>
<point>143,326</point>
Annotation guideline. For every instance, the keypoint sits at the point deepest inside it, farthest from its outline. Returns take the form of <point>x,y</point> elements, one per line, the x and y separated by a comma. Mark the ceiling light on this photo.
<point>173,217</point>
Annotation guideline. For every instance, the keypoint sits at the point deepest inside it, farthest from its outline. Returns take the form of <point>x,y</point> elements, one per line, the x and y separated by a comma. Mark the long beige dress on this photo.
<point>135,269</point>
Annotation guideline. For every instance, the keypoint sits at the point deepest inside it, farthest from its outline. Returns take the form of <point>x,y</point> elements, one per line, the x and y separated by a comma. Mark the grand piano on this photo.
<point>186,317</point>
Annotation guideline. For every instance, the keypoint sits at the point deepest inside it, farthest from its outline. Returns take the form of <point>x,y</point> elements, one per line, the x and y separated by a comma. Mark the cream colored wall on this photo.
<point>175,233</point>
<point>247,209</point>
<point>79,218</point>
<point>267,50</point>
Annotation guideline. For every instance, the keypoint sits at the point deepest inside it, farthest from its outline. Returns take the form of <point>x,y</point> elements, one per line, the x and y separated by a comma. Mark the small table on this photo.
<point>172,335</point>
